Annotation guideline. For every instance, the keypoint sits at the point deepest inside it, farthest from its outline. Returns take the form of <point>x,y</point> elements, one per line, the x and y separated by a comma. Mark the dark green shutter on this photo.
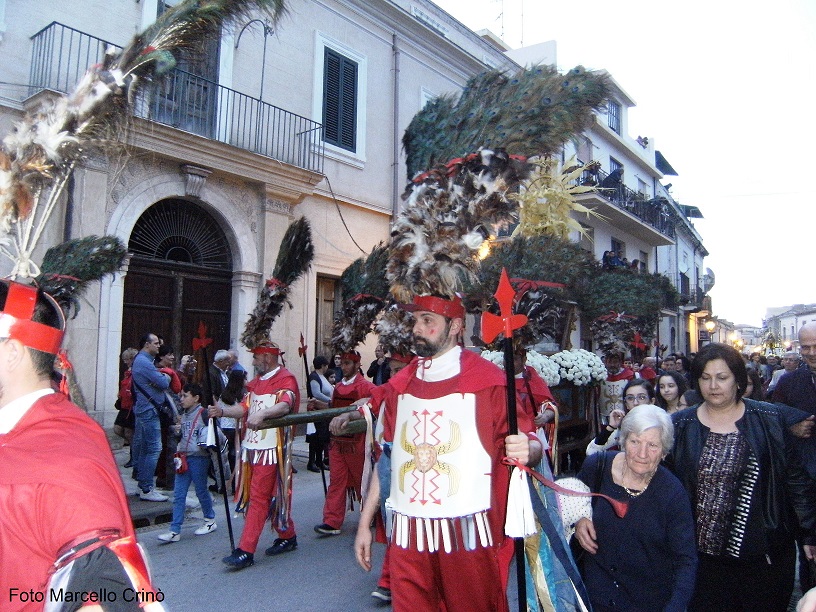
<point>339,100</point>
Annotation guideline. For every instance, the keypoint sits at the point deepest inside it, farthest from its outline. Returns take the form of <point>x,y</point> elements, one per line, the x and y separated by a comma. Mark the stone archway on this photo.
<point>179,276</point>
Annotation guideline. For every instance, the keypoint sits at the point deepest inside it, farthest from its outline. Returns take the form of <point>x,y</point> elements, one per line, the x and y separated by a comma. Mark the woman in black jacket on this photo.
<point>748,491</point>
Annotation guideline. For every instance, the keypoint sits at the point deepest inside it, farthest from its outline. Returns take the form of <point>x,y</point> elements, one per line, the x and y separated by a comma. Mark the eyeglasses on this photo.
<point>642,397</point>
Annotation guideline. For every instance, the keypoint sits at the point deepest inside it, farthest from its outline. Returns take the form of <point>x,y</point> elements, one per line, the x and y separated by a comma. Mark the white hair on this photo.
<point>643,417</point>
<point>220,355</point>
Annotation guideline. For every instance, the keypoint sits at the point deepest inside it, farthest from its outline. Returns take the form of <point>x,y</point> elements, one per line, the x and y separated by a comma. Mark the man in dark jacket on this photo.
<point>379,371</point>
<point>798,389</point>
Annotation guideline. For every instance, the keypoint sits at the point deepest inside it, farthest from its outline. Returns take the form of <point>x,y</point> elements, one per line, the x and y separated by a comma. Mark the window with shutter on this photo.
<point>339,100</point>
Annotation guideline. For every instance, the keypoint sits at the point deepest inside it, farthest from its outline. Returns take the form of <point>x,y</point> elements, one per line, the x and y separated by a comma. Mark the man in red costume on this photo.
<point>616,378</point>
<point>273,393</point>
<point>346,453</point>
<point>534,395</point>
<point>65,526</point>
<point>445,423</point>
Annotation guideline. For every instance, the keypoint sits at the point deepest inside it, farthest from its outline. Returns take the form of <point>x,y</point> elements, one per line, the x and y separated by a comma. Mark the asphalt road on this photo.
<point>320,575</point>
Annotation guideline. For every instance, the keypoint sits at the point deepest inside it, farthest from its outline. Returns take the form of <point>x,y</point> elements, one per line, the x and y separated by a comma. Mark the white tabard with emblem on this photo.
<point>440,473</point>
<point>259,446</point>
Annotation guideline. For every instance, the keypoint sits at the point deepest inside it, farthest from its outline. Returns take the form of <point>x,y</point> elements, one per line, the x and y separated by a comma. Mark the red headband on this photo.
<point>450,308</point>
<point>355,357</point>
<point>267,349</point>
<point>16,323</point>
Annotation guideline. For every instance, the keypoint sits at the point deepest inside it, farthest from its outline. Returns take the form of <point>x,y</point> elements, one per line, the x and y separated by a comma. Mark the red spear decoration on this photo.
<point>492,326</point>
<point>202,342</point>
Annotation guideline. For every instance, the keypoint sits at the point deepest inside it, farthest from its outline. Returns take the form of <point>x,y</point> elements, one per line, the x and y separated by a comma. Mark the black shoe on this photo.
<point>312,468</point>
<point>326,529</point>
<point>282,545</point>
<point>239,559</point>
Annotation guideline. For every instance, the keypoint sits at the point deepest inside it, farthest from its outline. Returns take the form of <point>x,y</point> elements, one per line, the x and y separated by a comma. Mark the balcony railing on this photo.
<point>656,212</point>
<point>61,55</point>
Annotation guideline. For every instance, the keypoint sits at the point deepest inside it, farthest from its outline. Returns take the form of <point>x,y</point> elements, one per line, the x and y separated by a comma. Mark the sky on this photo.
<point>725,89</point>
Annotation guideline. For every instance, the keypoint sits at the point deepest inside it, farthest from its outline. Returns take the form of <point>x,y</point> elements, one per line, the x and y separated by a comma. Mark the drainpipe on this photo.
<point>395,166</point>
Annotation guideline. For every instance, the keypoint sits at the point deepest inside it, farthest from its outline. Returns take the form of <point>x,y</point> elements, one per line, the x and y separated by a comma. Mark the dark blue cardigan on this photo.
<point>648,559</point>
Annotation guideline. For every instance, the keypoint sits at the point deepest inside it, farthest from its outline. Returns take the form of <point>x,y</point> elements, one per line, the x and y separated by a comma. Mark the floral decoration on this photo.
<point>579,367</point>
<point>576,366</point>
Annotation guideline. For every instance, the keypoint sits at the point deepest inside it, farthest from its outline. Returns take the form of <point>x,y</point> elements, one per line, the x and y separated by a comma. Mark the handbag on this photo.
<point>180,459</point>
<point>165,410</point>
<point>180,462</point>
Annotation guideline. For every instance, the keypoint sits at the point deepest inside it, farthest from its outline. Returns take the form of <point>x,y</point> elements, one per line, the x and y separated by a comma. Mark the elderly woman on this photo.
<point>636,392</point>
<point>647,559</point>
<point>748,490</point>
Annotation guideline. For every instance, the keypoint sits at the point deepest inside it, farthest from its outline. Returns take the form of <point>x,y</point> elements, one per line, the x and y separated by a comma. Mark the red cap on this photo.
<point>450,308</point>
<point>16,323</point>
<point>351,356</point>
<point>269,348</point>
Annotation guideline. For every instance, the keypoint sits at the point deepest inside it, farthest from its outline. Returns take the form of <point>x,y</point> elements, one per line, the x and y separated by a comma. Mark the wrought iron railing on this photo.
<point>656,212</point>
<point>61,55</point>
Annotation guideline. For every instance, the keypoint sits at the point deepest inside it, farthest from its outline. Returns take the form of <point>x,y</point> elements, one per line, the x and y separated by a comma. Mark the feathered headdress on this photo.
<point>294,259</point>
<point>68,268</point>
<point>365,293</point>
<point>475,151</point>
<point>39,155</point>
<point>532,112</point>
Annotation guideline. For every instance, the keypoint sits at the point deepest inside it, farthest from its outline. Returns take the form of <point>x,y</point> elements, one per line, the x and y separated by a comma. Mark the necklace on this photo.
<point>634,493</point>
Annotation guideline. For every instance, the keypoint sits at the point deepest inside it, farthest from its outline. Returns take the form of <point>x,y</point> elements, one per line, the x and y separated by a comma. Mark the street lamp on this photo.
<point>710,326</point>
<point>267,32</point>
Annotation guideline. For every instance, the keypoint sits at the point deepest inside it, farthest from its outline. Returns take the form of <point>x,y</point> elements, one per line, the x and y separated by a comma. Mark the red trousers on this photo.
<point>262,489</point>
<point>346,459</point>
<point>459,581</point>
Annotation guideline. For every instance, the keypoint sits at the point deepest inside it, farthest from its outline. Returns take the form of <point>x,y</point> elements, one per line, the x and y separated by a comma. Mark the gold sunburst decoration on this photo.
<point>547,199</point>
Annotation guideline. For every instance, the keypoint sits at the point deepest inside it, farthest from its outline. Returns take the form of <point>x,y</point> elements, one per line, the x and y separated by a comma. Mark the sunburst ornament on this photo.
<point>547,199</point>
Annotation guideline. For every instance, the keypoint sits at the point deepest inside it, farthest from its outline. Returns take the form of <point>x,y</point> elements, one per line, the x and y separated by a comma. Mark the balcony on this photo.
<point>184,101</point>
<point>652,219</point>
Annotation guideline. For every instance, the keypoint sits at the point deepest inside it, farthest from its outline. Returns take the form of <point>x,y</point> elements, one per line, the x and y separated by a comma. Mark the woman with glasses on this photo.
<point>636,392</point>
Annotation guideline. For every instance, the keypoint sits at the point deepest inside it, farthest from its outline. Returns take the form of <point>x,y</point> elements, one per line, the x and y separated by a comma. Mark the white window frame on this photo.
<point>322,41</point>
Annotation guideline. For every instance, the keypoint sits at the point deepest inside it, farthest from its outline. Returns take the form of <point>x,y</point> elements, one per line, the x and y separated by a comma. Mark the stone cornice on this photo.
<point>286,182</point>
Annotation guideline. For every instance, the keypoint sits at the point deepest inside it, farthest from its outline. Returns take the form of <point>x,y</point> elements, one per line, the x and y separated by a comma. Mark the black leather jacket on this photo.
<point>785,496</point>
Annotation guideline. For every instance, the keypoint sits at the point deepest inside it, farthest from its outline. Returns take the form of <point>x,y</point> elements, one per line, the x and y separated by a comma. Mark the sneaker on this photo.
<point>208,527</point>
<point>326,529</point>
<point>282,545</point>
<point>169,537</point>
<point>381,593</point>
<point>239,559</point>
<point>153,495</point>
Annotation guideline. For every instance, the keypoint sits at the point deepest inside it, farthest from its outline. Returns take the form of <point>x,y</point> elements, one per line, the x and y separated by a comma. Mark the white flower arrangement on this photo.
<point>580,367</point>
<point>546,368</point>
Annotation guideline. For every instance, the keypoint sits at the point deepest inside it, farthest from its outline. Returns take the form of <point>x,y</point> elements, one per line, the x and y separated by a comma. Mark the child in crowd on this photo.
<point>192,444</point>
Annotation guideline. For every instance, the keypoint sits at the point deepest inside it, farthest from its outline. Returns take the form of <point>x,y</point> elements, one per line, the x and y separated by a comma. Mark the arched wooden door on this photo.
<point>179,276</point>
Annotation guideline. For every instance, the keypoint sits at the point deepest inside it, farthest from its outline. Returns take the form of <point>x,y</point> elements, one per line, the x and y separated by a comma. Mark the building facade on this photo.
<point>269,123</point>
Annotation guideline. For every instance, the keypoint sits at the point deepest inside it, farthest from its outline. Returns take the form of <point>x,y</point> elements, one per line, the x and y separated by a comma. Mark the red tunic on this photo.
<point>346,455</point>
<point>462,579</point>
<point>58,482</point>
<point>532,383</point>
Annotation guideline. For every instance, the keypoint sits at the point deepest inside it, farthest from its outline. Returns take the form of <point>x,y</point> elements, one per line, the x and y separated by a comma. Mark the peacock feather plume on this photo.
<point>532,112</point>
<point>364,288</point>
<point>294,259</point>
<point>68,268</point>
<point>39,155</point>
